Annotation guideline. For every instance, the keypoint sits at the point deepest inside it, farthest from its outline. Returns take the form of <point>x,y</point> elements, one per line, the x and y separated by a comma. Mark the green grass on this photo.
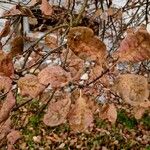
<point>129,122</point>
<point>146,120</point>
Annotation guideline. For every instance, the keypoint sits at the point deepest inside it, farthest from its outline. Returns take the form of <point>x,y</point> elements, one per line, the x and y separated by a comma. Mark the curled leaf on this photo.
<point>135,47</point>
<point>54,75</point>
<point>30,86</point>
<point>57,112</point>
<point>109,112</point>
<point>80,116</point>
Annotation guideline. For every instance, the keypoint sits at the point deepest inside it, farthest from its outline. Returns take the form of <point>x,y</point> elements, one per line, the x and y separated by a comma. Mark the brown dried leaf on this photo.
<point>46,8</point>
<point>5,84</point>
<point>5,31</point>
<point>51,42</point>
<point>132,88</point>
<point>57,112</point>
<point>13,136</point>
<point>18,10</point>
<point>5,128</point>
<point>80,116</point>
<point>109,112</point>
<point>30,86</point>
<point>7,106</point>
<point>55,76</point>
<point>17,46</point>
<point>6,65</point>
<point>135,47</point>
<point>83,43</point>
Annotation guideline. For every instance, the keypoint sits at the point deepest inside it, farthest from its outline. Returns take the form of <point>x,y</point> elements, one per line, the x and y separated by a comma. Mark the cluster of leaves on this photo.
<point>68,90</point>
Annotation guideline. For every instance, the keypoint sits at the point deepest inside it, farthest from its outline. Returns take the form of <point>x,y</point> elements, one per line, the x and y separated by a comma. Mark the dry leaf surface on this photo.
<point>80,116</point>
<point>7,106</point>
<point>109,112</point>
<point>30,86</point>
<point>132,88</point>
<point>54,75</point>
<point>135,47</point>
<point>46,8</point>
<point>57,112</point>
<point>6,65</point>
<point>83,43</point>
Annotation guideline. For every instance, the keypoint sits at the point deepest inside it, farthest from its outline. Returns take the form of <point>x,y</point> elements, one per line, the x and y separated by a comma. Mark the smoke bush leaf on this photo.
<point>5,31</point>
<point>132,88</point>
<point>16,46</point>
<point>5,84</point>
<point>6,65</point>
<point>80,116</point>
<point>54,75</point>
<point>57,112</point>
<point>5,128</point>
<point>7,106</point>
<point>83,43</point>
<point>109,112</point>
<point>135,47</point>
<point>30,86</point>
<point>46,8</point>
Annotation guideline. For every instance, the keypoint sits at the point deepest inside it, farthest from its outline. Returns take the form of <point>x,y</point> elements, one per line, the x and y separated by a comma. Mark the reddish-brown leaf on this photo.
<point>135,47</point>
<point>46,8</point>
<point>80,116</point>
<point>5,30</point>
<point>18,10</point>
<point>17,46</point>
<point>6,65</point>
<point>5,128</point>
<point>83,43</point>
<point>30,86</point>
<point>7,106</point>
<point>5,84</point>
<point>55,76</point>
<point>13,136</point>
<point>109,112</point>
<point>132,88</point>
<point>51,42</point>
<point>57,112</point>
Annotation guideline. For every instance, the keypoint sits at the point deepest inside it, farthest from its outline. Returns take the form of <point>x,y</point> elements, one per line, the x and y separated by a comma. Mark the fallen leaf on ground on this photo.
<point>57,112</point>
<point>30,86</point>
<point>109,112</point>
<point>80,116</point>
